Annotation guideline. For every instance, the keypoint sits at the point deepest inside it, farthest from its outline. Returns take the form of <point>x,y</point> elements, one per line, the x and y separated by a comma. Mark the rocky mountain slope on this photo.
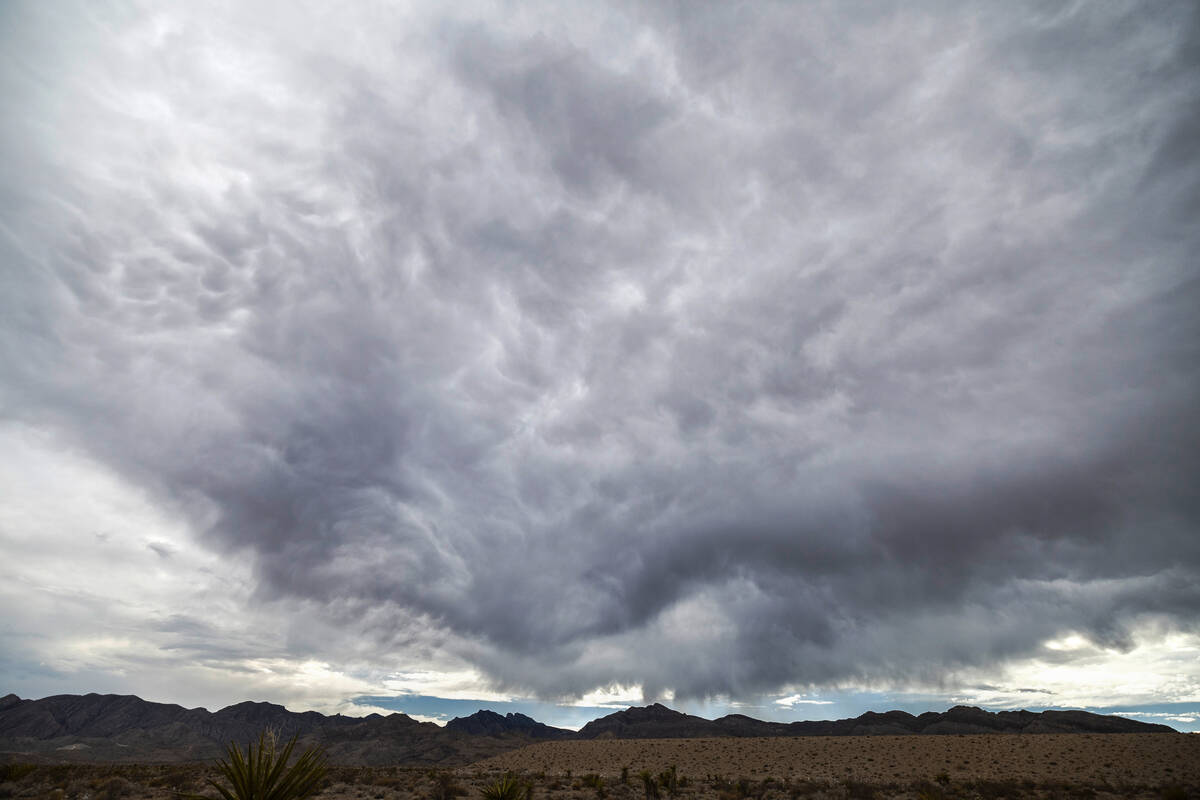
<point>120,728</point>
<point>116,728</point>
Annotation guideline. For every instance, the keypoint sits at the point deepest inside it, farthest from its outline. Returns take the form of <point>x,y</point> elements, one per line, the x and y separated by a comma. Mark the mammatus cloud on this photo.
<point>716,351</point>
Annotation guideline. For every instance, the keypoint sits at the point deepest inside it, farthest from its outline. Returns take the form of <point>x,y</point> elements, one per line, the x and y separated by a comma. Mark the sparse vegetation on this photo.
<point>445,787</point>
<point>146,782</point>
<point>14,772</point>
<point>594,781</point>
<point>668,779</point>
<point>977,768</point>
<point>114,788</point>
<point>858,790</point>
<point>996,790</point>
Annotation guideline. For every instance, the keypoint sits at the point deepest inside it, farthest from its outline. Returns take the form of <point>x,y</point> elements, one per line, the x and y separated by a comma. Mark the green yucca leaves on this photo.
<point>508,788</point>
<point>649,784</point>
<point>669,780</point>
<point>262,773</point>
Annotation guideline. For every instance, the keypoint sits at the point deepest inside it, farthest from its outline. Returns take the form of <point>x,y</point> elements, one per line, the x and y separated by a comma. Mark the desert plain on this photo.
<point>1093,758</point>
<point>967,766</point>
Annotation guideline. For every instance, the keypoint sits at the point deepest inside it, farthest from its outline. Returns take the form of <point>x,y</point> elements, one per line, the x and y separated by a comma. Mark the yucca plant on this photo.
<point>649,784</point>
<point>669,780</point>
<point>594,781</point>
<point>508,788</point>
<point>262,772</point>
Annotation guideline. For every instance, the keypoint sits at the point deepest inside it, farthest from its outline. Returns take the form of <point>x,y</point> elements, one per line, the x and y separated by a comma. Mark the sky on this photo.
<point>795,359</point>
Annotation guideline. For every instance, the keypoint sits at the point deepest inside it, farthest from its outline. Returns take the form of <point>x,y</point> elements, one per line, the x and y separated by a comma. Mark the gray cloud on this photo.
<point>713,349</point>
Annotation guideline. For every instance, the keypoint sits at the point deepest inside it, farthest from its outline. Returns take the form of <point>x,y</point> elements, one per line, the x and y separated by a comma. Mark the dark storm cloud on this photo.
<point>711,349</point>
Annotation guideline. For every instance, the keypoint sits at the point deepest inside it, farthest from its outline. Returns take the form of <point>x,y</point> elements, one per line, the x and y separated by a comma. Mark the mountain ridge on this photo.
<point>125,728</point>
<point>488,723</point>
<point>664,723</point>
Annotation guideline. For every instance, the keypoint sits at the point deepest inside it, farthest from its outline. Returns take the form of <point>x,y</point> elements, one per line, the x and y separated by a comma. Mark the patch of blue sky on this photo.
<point>829,705</point>
<point>443,709</point>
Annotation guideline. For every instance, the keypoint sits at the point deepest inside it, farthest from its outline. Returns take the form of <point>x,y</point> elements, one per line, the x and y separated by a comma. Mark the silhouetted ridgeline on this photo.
<point>659,722</point>
<point>489,723</point>
<point>120,728</point>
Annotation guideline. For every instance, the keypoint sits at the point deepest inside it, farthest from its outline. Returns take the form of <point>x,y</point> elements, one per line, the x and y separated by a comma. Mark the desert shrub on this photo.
<point>994,790</point>
<point>594,781</point>
<point>997,789</point>
<point>804,788</point>
<point>444,786</point>
<point>508,787</point>
<point>1175,792</point>
<point>15,772</point>
<point>669,780</point>
<point>180,779</point>
<point>1058,788</point>
<point>857,790</point>
<point>740,789</point>
<point>114,788</point>
<point>942,779</point>
<point>649,784</point>
<point>624,775</point>
<point>388,781</point>
<point>929,791</point>
<point>262,772</point>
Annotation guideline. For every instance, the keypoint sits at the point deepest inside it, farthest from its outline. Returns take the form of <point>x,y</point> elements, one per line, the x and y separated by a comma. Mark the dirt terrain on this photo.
<point>1092,758</point>
<point>1098,766</point>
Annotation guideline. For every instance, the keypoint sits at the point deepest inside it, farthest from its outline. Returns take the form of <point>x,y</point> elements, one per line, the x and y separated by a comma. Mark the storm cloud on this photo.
<point>707,348</point>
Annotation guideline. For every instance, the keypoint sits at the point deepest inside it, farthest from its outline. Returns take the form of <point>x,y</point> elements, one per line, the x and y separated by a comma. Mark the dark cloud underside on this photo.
<point>710,348</point>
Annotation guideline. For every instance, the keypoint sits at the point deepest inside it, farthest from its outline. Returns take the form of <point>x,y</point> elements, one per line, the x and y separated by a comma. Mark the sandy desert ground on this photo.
<point>1093,758</point>
<point>1146,766</point>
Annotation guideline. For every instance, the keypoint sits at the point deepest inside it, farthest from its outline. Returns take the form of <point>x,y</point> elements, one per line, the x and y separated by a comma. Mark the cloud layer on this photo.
<point>709,349</point>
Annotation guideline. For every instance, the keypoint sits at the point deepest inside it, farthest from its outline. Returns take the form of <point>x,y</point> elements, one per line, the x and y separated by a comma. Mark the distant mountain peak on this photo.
<point>253,705</point>
<point>652,711</point>
<point>652,721</point>
<point>485,722</point>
